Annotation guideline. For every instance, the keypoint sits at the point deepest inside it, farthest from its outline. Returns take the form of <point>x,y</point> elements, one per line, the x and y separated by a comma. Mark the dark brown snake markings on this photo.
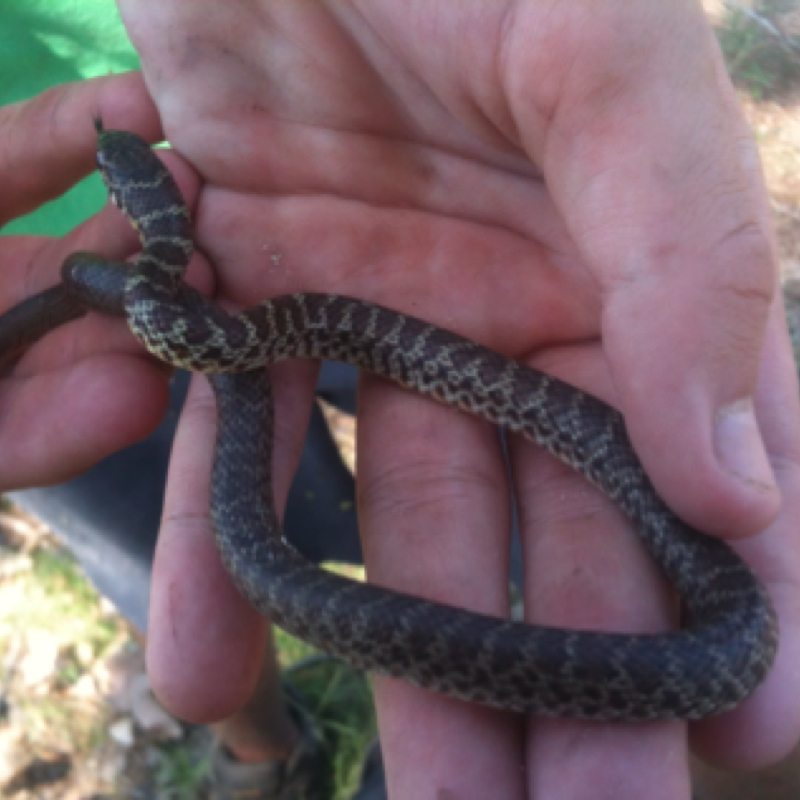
<point>708,667</point>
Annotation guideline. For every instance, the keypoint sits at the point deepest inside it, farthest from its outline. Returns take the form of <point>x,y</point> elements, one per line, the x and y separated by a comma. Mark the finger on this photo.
<point>434,516</point>
<point>56,425</point>
<point>48,143</point>
<point>586,569</point>
<point>78,395</point>
<point>199,624</point>
<point>766,727</point>
<point>670,215</point>
<point>33,263</point>
<point>81,372</point>
<point>78,372</point>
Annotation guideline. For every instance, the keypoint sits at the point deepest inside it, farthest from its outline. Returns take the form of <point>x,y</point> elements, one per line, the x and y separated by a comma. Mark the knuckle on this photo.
<point>742,287</point>
<point>747,265</point>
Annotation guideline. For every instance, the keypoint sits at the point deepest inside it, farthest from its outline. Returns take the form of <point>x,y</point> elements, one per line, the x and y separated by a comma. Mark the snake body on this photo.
<point>705,668</point>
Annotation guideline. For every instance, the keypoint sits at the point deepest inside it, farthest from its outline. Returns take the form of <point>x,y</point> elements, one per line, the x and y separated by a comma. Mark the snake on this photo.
<point>728,636</point>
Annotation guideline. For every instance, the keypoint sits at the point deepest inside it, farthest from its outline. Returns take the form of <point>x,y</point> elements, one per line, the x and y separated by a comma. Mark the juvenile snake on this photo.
<point>707,667</point>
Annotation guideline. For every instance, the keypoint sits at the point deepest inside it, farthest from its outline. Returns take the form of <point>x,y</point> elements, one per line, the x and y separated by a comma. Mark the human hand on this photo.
<point>85,390</point>
<point>567,185</point>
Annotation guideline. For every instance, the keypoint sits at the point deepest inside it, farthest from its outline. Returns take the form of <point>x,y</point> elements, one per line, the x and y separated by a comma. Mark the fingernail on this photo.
<point>740,449</point>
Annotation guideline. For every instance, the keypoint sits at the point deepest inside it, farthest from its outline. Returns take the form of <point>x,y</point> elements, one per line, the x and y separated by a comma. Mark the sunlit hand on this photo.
<point>570,184</point>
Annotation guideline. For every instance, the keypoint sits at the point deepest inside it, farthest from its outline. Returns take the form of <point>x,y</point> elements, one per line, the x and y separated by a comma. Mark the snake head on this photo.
<point>124,159</point>
<point>136,179</point>
<point>140,185</point>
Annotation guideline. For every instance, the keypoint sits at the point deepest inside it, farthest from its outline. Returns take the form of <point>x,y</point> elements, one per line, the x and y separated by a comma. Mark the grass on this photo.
<point>339,699</point>
<point>341,703</point>
<point>179,774</point>
<point>53,627</point>
<point>54,602</point>
<point>762,54</point>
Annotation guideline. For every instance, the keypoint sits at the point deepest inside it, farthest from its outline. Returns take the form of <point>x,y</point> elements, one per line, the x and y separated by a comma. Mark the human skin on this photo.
<point>90,374</point>
<point>570,185</point>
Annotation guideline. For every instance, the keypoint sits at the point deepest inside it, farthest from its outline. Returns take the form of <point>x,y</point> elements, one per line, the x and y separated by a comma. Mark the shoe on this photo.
<point>300,777</point>
<point>373,779</point>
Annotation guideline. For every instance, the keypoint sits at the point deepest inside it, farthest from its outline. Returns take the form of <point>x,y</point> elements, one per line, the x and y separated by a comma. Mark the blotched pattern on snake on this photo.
<point>705,668</point>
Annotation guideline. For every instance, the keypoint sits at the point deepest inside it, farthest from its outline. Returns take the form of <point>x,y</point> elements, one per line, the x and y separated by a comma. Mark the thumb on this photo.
<point>684,351</point>
<point>662,190</point>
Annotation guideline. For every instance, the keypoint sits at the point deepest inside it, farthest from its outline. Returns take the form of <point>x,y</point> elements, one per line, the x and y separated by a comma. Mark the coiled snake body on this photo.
<point>708,667</point>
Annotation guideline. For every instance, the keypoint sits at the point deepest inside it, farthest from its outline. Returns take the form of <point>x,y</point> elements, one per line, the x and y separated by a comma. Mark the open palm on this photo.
<point>553,181</point>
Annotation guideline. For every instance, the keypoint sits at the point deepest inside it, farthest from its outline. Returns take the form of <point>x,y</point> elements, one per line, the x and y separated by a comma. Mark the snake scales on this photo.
<point>705,668</point>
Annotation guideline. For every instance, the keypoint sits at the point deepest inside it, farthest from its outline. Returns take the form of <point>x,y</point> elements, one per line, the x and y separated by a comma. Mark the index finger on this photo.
<point>47,143</point>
